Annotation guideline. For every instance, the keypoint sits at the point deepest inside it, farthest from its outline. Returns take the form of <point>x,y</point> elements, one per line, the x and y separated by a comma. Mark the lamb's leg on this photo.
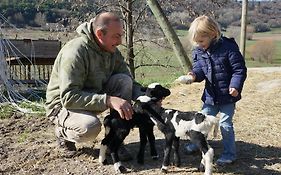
<point>169,137</point>
<point>151,139</point>
<point>176,143</point>
<point>143,141</point>
<point>104,145</point>
<point>102,154</point>
<point>207,153</point>
<point>114,147</point>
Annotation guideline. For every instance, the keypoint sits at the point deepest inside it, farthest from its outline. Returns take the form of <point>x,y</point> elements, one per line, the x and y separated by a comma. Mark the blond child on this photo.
<point>218,61</point>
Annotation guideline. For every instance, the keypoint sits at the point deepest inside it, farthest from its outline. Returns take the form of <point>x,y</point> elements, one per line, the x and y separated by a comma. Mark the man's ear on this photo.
<point>99,33</point>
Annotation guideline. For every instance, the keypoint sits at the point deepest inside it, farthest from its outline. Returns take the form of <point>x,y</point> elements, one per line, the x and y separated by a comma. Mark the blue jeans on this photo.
<point>226,127</point>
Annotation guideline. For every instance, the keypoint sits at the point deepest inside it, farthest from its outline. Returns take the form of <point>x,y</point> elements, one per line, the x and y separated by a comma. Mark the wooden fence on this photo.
<point>31,60</point>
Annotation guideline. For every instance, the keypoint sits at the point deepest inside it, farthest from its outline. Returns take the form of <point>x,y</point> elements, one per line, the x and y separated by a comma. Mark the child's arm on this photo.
<point>197,71</point>
<point>239,71</point>
<point>186,79</point>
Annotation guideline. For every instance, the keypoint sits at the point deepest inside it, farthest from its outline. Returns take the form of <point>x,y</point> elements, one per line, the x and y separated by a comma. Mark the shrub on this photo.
<point>263,51</point>
<point>261,27</point>
<point>250,32</point>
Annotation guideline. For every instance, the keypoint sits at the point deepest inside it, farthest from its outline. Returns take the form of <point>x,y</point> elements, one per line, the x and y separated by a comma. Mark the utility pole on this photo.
<point>243,27</point>
<point>170,34</point>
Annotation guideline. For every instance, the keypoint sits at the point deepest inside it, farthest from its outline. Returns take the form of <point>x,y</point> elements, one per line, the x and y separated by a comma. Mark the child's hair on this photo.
<point>203,26</point>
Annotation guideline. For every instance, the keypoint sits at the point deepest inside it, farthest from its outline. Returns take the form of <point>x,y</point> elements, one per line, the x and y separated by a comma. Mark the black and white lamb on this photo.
<point>116,129</point>
<point>177,124</point>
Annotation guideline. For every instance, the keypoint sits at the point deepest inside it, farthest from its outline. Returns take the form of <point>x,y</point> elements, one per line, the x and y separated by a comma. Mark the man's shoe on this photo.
<point>65,147</point>
<point>191,148</point>
<point>124,154</point>
<point>223,161</point>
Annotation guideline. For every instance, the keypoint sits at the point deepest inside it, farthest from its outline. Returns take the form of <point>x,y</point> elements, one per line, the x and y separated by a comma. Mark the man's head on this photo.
<point>108,31</point>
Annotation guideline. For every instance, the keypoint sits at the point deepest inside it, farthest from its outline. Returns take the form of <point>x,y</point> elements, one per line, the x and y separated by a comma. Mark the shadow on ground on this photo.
<point>252,158</point>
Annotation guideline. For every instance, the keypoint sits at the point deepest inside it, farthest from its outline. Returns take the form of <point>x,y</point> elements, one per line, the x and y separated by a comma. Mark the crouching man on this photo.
<point>89,76</point>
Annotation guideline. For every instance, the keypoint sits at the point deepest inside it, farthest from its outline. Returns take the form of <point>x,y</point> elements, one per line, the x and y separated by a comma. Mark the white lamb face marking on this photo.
<point>168,111</point>
<point>182,127</point>
<point>153,85</point>
<point>144,99</point>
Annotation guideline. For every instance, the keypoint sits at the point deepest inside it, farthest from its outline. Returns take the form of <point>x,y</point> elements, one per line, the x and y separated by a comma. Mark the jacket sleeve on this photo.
<point>72,74</point>
<point>197,68</point>
<point>122,67</point>
<point>239,70</point>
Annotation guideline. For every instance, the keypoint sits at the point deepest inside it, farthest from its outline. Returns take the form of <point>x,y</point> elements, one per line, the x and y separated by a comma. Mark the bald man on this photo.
<point>89,76</point>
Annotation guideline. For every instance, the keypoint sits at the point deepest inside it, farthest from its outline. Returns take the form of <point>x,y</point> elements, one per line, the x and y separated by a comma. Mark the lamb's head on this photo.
<point>154,94</point>
<point>157,92</point>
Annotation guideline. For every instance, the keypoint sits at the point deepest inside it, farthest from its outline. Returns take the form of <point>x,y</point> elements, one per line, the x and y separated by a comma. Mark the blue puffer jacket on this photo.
<point>223,67</point>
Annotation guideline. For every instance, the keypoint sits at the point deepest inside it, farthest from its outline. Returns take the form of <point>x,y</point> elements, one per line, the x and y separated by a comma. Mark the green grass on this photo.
<point>278,52</point>
<point>23,136</point>
<point>6,111</point>
<point>182,33</point>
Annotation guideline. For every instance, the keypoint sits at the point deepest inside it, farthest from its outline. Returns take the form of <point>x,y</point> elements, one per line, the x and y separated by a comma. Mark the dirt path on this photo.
<point>27,144</point>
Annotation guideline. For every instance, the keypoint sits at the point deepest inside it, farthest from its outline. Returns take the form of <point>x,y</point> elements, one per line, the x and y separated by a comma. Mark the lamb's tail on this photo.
<point>214,125</point>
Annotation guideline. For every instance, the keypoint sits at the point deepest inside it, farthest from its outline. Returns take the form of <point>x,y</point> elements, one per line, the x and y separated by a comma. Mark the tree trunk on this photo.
<point>170,34</point>
<point>129,37</point>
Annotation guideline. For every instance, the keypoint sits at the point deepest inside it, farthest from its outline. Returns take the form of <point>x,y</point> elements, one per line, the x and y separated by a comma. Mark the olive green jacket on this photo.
<point>80,72</point>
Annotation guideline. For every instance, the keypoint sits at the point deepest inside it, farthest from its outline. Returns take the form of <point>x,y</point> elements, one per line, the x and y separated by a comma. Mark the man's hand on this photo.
<point>123,107</point>
<point>233,92</point>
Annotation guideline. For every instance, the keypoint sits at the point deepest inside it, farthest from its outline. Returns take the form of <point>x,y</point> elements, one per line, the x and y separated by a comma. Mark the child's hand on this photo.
<point>233,92</point>
<point>186,79</point>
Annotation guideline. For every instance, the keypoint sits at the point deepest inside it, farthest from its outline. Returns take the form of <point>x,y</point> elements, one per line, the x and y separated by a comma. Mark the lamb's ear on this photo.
<point>138,107</point>
<point>167,92</point>
<point>143,89</point>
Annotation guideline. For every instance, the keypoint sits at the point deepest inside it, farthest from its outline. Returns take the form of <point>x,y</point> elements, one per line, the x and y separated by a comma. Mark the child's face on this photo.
<point>203,41</point>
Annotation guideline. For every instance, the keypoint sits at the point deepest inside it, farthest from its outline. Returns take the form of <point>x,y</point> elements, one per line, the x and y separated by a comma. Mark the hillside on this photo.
<point>64,15</point>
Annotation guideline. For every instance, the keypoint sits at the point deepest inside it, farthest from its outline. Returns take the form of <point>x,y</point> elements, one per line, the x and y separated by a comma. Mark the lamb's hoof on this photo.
<point>177,164</point>
<point>155,157</point>
<point>201,168</point>
<point>140,161</point>
<point>164,170</point>
<point>122,169</point>
<point>104,162</point>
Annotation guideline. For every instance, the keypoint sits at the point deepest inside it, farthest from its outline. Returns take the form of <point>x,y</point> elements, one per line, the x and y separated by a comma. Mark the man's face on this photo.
<point>203,41</point>
<point>112,38</point>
